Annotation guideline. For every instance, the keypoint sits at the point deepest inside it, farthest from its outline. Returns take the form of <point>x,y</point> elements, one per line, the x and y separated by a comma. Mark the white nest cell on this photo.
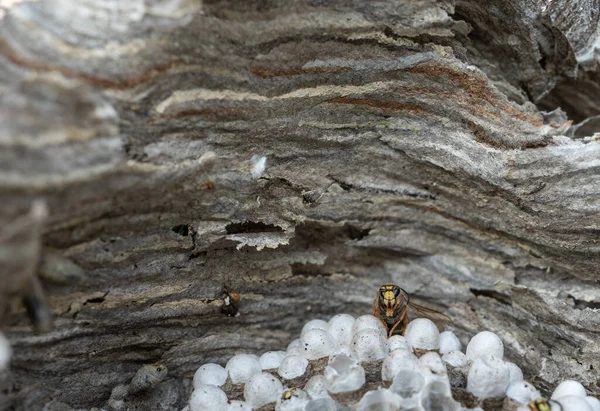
<point>271,359</point>
<point>488,378</point>
<point>398,342</point>
<point>212,374</point>
<point>485,344</point>
<point>344,374</point>
<point>262,389</point>
<point>295,401</point>
<point>455,359</point>
<point>242,367</point>
<point>449,342</point>
<point>568,388</point>
<point>515,372</point>
<point>437,396</point>
<point>365,322</point>
<point>322,404</point>
<point>435,371</point>
<point>315,325</point>
<point>423,334</point>
<point>380,399</point>
<point>239,406</point>
<point>342,349</point>
<point>5,352</point>
<point>316,387</point>
<point>208,398</point>
<point>369,345</point>
<point>399,360</point>
<point>573,403</point>
<point>316,343</point>
<point>292,366</point>
<point>522,391</point>
<point>433,362</point>
<point>294,348</point>
<point>340,327</point>
<point>408,383</point>
<point>593,402</point>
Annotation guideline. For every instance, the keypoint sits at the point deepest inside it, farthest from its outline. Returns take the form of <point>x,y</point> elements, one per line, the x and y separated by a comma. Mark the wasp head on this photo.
<point>391,298</point>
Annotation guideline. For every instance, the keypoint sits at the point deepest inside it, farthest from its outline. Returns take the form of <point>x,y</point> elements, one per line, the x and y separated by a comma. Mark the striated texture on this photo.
<point>402,143</point>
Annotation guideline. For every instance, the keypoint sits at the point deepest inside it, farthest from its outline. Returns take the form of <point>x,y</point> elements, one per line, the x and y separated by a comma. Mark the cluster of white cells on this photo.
<point>414,369</point>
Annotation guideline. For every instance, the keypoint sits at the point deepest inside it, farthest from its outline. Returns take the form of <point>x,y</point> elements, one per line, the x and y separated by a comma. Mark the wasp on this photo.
<point>542,404</point>
<point>231,300</point>
<point>288,394</point>
<point>391,304</point>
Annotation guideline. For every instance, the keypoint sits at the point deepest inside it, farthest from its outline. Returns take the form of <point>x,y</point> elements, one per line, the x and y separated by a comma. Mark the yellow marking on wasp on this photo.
<point>539,405</point>
<point>389,295</point>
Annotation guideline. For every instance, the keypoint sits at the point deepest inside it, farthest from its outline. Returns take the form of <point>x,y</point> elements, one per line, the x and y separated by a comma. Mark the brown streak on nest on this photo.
<point>267,72</point>
<point>474,86</point>
<point>37,65</point>
<point>482,137</point>
<point>214,112</point>
<point>387,105</point>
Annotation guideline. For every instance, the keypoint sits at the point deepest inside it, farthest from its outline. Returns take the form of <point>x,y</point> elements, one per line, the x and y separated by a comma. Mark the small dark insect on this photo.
<point>542,404</point>
<point>391,304</point>
<point>312,197</point>
<point>208,185</point>
<point>230,302</point>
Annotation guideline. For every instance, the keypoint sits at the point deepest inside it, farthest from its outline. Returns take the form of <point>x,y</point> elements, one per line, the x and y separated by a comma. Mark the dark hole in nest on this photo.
<point>97,300</point>
<point>251,227</point>
<point>181,229</point>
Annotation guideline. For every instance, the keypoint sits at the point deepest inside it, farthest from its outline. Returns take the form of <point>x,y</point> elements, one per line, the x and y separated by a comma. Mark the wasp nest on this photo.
<point>350,364</point>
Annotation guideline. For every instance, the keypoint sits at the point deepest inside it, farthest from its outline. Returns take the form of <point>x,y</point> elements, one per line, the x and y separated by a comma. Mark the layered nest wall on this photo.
<point>156,156</point>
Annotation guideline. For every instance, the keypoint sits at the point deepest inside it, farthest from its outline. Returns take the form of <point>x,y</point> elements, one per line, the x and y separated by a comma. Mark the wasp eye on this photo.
<point>383,294</point>
<point>396,292</point>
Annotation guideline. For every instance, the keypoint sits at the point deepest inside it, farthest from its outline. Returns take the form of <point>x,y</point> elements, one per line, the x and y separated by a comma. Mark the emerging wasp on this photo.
<point>391,304</point>
<point>542,404</point>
